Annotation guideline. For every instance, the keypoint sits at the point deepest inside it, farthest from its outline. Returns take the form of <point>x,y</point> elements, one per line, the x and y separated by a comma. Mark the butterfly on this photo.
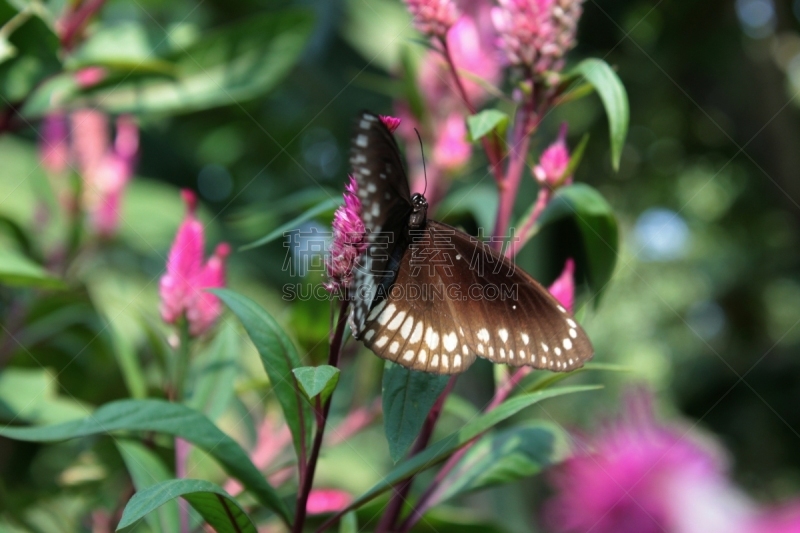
<point>433,298</point>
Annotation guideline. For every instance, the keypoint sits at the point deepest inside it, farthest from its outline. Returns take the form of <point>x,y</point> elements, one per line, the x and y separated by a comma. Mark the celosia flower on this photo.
<point>349,240</point>
<point>537,33</point>
<point>642,477</point>
<point>90,76</point>
<point>54,145</point>
<point>433,17</point>
<point>785,519</point>
<point>554,162</point>
<point>563,288</point>
<point>105,169</point>
<point>452,150</point>
<point>390,122</point>
<point>183,285</point>
<point>322,501</point>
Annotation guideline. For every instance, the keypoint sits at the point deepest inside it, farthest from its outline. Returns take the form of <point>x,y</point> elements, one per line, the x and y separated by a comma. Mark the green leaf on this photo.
<point>407,398</point>
<point>215,505</point>
<point>165,417</point>
<point>483,123</point>
<point>317,380</point>
<point>575,158</point>
<point>146,470</point>
<point>16,270</point>
<point>229,65</point>
<point>536,381</point>
<point>279,357</point>
<point>31,395</point>
<point>503,457</point>
<point>614,98</point>
<point>349,523</point>
<point>441,449</point>
<point>328,205</point>
<point>215,370</point>
<point>597,225</point>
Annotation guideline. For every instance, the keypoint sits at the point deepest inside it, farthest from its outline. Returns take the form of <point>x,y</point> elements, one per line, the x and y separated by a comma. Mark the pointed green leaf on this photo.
<point>407,398</point>
<point>614,98</point>
<point>146,469</point>
<point>317,380</point>
<point>214,372</point>
<point>503,457</point>
<point>326,206</point>
<point>349,523</point>
<point>16,270</point>
<point>598,227</point>
<point>279,357</point>
<point>486,121</point>
<point>443,448</point>
<point>215,505</point>
<point>164,417</point>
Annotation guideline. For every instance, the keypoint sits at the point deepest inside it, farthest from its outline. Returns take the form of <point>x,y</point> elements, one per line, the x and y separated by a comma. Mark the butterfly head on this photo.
<point>419,211</point>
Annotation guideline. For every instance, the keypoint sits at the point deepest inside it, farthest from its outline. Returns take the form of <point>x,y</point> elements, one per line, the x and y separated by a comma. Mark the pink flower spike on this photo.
<point>452,149</point>
<point>204,308</point>
<point>433,17</point>
<point>563,288</point>
<point>54,145</point>
<point>554,162</point>
<point>183,264</point>
<point>349,240</point>
<point>390,122</point>
<point>321,501</point>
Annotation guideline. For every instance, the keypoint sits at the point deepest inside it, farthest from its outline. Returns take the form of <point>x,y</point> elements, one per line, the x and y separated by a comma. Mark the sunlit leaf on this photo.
<point>614,98</point>
<point>164,417</point>
<point>441,449</point>
<point>407,398</point>
<point>279,357</point>
<point>326,206</point>
<point>483,123</point>
<point>16,270</point>
<point>215,505</point>
<point>317,380</point>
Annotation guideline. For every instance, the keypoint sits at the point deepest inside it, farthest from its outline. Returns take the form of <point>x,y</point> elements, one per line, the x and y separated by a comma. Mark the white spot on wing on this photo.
<point>450,341</point>
<point>394,346</point>
<point>380,343</point>
<point>503,334</point>
<point>361,140</point>
<point>417,335</point>
<point>567,344</point>
<point>431,338</point>
<point>396,321</point>
<point>387,314</point>
<point>483,335</point>
<point>525,338</point>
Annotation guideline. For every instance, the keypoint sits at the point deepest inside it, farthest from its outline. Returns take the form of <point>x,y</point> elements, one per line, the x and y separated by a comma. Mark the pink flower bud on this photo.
<point>349,240</point>
<point>554,162</point>
<point>322,501</point>
<point>54,145</point>
<point>563,288</point>
<point>89,76</point>
<point>183,285</point>
<point>390,122</point>
<point>433,17</point>
<point>452,149</point>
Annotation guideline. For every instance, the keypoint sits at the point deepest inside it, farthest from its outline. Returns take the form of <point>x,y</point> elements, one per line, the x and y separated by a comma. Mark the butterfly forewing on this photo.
<point>385,205</point>
<point>455,298</point>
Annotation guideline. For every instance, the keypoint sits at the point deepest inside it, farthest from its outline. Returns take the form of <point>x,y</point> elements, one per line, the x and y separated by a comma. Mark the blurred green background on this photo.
<point>704,305</point>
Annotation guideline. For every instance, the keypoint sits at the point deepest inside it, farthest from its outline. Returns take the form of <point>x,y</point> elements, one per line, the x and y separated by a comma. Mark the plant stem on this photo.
<point>542,200</point>
<point>182,447</point>
<point>400,493</point>
<point>492,149</point>
<point>425,501</point>
<point>321,412</point>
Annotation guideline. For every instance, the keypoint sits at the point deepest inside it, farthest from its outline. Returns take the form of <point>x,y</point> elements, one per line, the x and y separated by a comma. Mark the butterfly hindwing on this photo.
<point>454,299</point>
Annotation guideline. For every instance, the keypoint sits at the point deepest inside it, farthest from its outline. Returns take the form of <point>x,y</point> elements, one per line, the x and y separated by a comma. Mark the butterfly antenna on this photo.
<point>424,171</point>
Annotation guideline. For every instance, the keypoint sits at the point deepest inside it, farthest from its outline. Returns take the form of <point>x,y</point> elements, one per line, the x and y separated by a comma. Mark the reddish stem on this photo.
<point>541,202</point>
<point>401,490</point>
<point>321,411</point>
<point>425,501</point>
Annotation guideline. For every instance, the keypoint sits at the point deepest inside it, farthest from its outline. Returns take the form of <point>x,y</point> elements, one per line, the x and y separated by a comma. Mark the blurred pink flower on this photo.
<point>105,169</point>
<point>537,33</point>
<point>554,162</point>
<point>433,17</point>
<point>349,240</point>
<point>638,476</point>
<point>182,286</point>
<point>54,144</point>
<point>451,150</point>
<point>89,76</point>
<point>322,501</point>
<point>785,519</point>
<point>563,288</point>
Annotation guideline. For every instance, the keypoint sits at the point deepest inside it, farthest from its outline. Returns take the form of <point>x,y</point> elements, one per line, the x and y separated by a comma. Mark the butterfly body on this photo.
<point>432,298</point>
